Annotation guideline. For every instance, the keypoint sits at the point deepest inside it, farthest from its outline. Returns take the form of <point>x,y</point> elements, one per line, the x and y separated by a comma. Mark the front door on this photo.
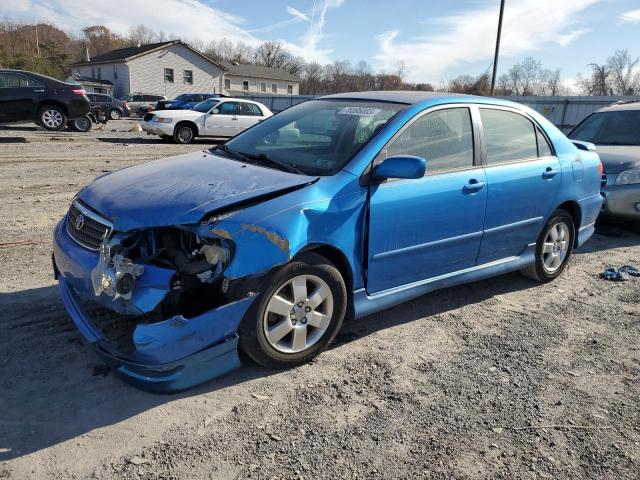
<point>222,121</point>
<point>432,226</point>
<point>523,176</point>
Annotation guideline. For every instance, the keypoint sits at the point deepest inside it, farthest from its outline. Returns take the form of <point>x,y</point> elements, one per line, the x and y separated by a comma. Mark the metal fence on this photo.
<point>563,112</point>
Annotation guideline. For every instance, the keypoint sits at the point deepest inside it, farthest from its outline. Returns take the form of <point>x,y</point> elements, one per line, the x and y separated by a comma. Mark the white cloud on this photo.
<point>632,16</point>
<point>309,45</point>
<point>565,39</point>
<point>470,37</point>
<point>297,13</point>
<point>188,19</point>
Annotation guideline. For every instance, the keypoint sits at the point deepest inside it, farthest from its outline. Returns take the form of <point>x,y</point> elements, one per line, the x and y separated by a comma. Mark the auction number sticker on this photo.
<point>359,111</point>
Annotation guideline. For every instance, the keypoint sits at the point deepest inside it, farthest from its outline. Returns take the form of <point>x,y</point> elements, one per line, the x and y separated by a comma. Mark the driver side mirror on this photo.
<point>215,111</point>
<point>400,166</point>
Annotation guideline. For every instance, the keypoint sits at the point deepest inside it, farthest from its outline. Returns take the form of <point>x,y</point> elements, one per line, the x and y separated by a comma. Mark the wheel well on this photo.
<point>46,103</point>
<point>193,126</point>
<point>339,260</point>
<point>573,209</point>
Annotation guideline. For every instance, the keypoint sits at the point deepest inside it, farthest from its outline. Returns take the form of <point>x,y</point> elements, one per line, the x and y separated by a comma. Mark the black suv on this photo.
<point>115,109</point>
<point>44,100</point>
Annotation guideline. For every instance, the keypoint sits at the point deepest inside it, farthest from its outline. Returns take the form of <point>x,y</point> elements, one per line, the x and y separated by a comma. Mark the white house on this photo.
<point>241,79</point>
<point>171,68</point>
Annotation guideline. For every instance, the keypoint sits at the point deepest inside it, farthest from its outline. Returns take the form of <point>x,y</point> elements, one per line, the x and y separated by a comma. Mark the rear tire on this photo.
<point>52,117</point>
<point>297,315</point>
<point>553,248</point>
<point>184,134</point>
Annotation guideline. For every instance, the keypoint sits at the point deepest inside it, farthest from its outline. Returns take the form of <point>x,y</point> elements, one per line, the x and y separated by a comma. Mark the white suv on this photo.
<point>215,117</point>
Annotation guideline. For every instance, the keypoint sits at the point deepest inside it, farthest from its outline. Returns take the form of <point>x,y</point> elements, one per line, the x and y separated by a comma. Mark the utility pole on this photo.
<point>495,58</point>
<point>37,42</point>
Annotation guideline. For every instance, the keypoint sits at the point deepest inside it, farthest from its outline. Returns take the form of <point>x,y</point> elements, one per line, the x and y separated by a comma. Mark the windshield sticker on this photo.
<point>359,111</point>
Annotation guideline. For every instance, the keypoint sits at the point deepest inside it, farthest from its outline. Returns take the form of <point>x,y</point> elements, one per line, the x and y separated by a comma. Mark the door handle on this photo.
<point>473,186</point>
<point>550,172</point>
<point>234,118</point>
<point>38,91</point>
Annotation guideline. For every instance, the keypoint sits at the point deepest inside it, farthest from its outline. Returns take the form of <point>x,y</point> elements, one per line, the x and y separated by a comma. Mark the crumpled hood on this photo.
<point>616,158</point>
<point>180,190</point>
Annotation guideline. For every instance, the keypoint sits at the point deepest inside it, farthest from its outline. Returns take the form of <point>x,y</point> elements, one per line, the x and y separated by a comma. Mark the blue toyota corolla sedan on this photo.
<point>340,206</point>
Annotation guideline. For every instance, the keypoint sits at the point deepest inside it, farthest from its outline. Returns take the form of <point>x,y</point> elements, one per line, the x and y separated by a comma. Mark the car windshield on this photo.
<point>205,106</point>
<point>317,137</point>
<point>610,128</point>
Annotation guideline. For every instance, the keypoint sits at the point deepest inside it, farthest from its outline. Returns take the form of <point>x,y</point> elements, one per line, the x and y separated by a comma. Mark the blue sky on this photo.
<point>437,39</point>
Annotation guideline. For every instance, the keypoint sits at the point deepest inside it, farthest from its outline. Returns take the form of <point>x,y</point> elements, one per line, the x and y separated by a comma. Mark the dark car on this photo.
<point>114,108</point>
<point>615,132</point>
<point>186,101</point>
<point>46,101</point>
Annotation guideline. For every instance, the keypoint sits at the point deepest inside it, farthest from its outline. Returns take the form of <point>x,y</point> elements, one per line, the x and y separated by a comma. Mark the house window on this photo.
<point>274,88</point>
<point>227,83</point>
<point>245,85</point>
<point>168,75</point>
<point>263,86</point>
<point>290,89</point>
<point>99,73</point>
<point>187,77</point>
<point>115,73</point>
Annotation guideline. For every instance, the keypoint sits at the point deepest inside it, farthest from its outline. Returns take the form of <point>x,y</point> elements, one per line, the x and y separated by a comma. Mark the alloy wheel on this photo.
<point>298,314</point>
<point>52,118</point>
<point>185,135</point>
<point>555,247</point>
<point>115,115</point>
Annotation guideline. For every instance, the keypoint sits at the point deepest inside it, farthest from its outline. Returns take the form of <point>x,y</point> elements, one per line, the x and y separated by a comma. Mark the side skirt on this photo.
<point>366,304</point>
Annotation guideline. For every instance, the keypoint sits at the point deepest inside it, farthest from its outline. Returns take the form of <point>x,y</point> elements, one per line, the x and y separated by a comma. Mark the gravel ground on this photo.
<point>503,378</point>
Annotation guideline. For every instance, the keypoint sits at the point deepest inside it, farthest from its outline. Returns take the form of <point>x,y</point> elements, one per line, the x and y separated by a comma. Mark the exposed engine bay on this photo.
<point>197,284</point>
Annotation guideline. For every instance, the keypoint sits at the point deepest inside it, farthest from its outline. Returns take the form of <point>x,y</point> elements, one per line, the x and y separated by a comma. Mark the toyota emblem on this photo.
<point>79,222</point>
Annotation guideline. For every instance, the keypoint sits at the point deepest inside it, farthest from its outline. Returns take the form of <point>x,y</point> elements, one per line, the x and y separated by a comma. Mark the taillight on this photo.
<point>79,91</point>
<point>600,168</point>
<point>126,105</point>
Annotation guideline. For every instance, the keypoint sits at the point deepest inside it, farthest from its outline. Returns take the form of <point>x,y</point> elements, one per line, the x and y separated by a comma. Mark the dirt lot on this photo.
<point>497,379</point>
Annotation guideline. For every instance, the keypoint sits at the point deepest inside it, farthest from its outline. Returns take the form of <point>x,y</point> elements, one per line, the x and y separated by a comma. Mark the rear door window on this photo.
<point>15,80</point>
<point>509,136</point>
<point>250,109</point>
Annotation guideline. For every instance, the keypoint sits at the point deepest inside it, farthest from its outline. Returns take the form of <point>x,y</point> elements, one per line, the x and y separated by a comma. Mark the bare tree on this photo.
<point>623,77</point>
<point>141,35</point>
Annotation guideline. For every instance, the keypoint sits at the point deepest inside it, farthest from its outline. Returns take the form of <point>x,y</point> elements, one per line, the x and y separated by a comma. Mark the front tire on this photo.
<point>184,134</point>
<point>553,248</point>
<point>115,114</point>
<point>298,314</point>
<point>52,117</point>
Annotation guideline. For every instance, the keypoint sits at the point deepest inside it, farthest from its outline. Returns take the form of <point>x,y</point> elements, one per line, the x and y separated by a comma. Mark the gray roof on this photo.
<point>397,96</point>
<point>122,54</point>
<point>257,71</point>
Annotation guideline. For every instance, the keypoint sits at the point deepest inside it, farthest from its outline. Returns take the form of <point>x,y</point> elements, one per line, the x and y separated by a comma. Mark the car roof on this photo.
<point>408,97</point>
<point>614,107</point>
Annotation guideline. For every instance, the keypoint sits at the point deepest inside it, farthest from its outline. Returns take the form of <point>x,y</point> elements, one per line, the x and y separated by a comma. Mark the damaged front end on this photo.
<point>153,302</point>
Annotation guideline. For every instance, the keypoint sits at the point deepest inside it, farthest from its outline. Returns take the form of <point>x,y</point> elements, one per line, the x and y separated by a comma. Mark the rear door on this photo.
<point>431,226</point>
<point>19,96</point>
<point>224,122</point>
<point>249,114</point>
<point>523,177</point>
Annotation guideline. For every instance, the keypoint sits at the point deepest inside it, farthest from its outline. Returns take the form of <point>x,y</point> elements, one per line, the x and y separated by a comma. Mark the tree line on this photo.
<point>49,50</point>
